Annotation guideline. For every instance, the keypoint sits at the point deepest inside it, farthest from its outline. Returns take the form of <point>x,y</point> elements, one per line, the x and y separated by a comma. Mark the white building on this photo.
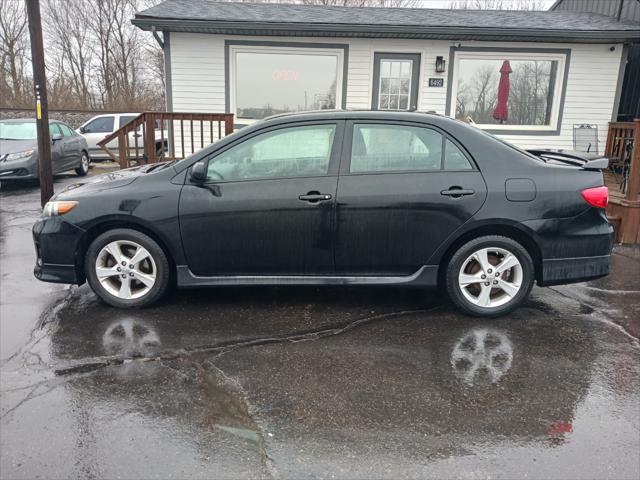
<point>254,60</point>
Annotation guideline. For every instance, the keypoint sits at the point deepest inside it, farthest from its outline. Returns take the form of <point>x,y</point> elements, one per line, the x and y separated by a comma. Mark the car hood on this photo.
<point>115,179</point>
<point>15,146</point>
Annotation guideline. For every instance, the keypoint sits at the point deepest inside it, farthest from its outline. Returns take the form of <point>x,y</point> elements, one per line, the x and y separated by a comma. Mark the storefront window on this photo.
<point>273,80</point>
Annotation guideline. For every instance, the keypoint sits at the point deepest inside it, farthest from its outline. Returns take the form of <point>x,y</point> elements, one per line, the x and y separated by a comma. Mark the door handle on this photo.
<point>457,192</point>
<point>315,197</point>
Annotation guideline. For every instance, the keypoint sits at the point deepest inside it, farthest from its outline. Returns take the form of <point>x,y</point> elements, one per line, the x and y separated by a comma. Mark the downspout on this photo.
<point>161,41</point>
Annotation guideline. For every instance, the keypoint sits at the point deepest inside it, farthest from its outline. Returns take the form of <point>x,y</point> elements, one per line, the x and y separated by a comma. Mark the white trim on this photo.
<point>513,56</point>
<point>235,49</point>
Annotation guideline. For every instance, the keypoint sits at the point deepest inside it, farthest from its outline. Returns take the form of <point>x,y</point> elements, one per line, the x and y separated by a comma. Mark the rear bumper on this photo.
<point>558,271</point>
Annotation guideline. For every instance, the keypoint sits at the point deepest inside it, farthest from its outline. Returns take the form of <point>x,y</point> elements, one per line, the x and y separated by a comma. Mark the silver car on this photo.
<point>19,149</point>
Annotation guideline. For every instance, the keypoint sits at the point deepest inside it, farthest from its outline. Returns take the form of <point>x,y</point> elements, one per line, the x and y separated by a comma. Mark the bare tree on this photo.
<point>70,41</point>
<point>14,48</point>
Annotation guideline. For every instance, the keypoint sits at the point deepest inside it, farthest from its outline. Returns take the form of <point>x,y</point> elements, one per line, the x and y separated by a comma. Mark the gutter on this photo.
<point>385,31</point>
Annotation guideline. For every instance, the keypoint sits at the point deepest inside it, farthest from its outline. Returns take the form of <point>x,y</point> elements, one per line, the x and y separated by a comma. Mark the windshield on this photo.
<point>18,130</point>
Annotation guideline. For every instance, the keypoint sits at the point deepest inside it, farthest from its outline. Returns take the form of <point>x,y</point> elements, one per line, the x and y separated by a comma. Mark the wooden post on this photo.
<point>45,170</point>
<point>633,184</point>
<point>123,154</point>
<point>150,137</point>
<point>228,124</point>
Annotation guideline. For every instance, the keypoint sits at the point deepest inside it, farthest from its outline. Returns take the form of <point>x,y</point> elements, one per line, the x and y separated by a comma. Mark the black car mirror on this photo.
<point>55,137</point>
<point>199,171</point>
<point>83,130</point>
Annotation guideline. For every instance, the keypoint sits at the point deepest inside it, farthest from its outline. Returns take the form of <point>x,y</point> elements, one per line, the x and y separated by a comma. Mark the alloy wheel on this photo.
<point>490,277</point>
<point>126,269</point>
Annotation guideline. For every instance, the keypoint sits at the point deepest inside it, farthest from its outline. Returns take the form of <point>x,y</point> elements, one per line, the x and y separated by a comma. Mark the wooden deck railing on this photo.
<point>623,151</point>
<point>159,136</point>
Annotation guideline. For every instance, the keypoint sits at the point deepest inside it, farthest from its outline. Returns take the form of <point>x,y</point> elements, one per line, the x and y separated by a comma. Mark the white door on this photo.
<point>97,129</point>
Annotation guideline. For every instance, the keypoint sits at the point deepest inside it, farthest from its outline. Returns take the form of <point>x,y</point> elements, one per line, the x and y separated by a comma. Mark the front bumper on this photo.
<point>19,170</point>
<point>56,243</point>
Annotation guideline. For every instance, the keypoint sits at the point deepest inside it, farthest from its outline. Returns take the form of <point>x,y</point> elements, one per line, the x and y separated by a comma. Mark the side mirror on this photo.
<point>55,137</point>
<point>82,130</point>
<point>199,171</point>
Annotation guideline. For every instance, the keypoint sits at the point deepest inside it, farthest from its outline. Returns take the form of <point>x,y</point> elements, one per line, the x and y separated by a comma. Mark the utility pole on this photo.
<point>45,173</point>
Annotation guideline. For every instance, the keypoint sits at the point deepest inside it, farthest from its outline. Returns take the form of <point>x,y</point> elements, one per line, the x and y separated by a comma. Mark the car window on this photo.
<point>383,148</point>
<point>54,130</point>
<point>66,131</point>
<point>288,152</point>
<point>454,159</point>
<point>18,130</point>
<point>124,119</point>
<point>100,125</point>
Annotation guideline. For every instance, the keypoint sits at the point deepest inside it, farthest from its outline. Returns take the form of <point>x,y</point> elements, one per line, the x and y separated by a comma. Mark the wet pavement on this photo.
<point>313,382</point>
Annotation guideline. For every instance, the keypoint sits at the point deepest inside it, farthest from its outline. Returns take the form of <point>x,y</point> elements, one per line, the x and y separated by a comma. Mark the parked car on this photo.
<point>19,149</point>
<point>373,198</point>
<point>99,127</point>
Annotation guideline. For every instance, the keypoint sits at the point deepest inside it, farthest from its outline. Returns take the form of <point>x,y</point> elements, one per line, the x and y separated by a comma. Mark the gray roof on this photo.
<point>314,20</point>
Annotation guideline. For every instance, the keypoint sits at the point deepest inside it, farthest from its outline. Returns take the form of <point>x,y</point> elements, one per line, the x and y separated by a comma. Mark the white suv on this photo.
<point>98,127</point>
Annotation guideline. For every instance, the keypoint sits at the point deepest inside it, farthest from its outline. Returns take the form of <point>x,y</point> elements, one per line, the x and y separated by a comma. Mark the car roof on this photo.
<point>380,115</point>
<point>29,120</point>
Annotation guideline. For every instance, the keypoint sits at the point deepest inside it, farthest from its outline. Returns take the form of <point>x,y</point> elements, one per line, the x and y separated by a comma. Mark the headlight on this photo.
<point>19,155</point>
<point>53,209</point>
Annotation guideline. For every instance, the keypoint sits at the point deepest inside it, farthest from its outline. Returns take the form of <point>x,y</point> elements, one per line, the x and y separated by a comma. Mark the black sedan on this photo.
<point>19,149</point>
<point>373,198</point>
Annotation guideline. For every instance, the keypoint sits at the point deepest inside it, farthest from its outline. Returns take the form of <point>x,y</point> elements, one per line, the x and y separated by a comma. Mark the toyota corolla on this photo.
<point>370,198</point>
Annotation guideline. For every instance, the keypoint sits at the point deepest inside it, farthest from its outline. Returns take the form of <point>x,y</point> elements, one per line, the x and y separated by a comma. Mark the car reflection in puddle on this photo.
<point>482,356</point>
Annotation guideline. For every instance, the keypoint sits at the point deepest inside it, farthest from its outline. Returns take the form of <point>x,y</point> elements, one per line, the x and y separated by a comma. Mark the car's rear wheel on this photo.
<point>83,169</point>
<point>490,276</point>
<point>127,268</point>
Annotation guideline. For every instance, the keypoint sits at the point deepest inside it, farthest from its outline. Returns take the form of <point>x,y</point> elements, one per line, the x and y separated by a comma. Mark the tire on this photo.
<point>120,285</point>
<point>502,289</point>
<point>83,169</point>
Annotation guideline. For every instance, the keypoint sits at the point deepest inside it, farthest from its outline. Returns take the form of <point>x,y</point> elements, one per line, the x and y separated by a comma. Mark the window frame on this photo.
<point>334,156</point>
<point>291,48</point>
<point>415,78</point>
<point>562,56</point>
<point>345,164</point>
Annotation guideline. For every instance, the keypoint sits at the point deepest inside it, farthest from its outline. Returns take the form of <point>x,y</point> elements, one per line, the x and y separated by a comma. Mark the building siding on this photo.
<point>198,78</point>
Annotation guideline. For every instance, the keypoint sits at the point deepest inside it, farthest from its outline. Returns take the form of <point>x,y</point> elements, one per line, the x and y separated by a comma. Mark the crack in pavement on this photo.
<point>91,365</point>
<point>266,459</point>
<point>223,348</point>
<point>37,333</point>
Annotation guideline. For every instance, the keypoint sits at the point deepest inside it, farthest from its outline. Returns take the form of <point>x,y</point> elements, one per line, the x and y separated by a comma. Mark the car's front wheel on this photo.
<point>489,276</point>
<point>127,268</point>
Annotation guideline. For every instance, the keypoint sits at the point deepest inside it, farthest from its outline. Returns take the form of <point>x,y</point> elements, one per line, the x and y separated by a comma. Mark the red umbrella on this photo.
<point>501,112</point>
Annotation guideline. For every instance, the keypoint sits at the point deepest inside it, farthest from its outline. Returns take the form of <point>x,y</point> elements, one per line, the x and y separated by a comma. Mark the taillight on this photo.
<point>597,196</point>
